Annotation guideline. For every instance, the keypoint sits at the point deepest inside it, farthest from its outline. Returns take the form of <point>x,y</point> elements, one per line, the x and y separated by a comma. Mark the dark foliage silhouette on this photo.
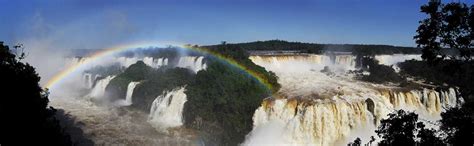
<point>447,26</point>
<point>450,26</point>
<point>378,73</point>
<point>429,32</point>
<point>25,117</point>
<point>403,128</point>
<point>458,124</point>
<point>357,142</point>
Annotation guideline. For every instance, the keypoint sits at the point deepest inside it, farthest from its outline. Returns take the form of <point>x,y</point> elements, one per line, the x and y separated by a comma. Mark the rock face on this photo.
<point>370,105</point>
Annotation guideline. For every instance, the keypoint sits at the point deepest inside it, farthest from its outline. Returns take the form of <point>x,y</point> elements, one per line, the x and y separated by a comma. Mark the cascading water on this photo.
<point>149,61</point>
<point>310,61</point>
<point>339,61</point>
<point>345,61</point>
<point>325,121</point>
<point>395,58</point>
<point>166,110</point>
<point>313,108</point>
<point>155,63</point>
<point>128,98</point>
<point>310,123</point>
<point>127,61</point>
<point>95,78</point>
<point>193,63</point>
<point>99,89</point>
<point>88,80</point>
<point>109,124</point>
<point>430,101</point>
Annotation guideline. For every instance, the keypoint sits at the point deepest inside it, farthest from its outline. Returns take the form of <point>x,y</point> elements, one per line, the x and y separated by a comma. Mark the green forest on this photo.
<point>221,98</point>
<point>356,49</point>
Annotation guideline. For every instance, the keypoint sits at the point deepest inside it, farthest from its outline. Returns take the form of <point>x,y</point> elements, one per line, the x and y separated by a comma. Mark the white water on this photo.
<point>99,89</point>
<point>193,63</point>
<point>396,58</point>
<point>318,124</point>
<point>109,125</point>
<point>293,63</point>
<point>96,77</point>
<point>325,121</point>
<point>338,103</point>
<point>316,109</point>
<point>127,61</point>
<point>155,62</point>
<point>128,96</point>
<point>317,62</point>
<point>167,109</point>
<point>392,60</point>
<point>88,81</point>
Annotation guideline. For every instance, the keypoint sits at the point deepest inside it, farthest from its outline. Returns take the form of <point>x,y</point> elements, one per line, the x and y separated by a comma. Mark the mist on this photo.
<point>47,42</point>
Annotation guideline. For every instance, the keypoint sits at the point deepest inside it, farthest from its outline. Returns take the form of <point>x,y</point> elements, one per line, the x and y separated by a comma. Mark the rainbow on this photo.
<point>64,74</point>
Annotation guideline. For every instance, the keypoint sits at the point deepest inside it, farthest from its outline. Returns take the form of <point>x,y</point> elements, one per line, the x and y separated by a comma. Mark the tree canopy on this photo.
<point>403,128</point>
<point>447,26</point>
<point>356,49</point>
<point>25,117</point>
<point>221,99</point>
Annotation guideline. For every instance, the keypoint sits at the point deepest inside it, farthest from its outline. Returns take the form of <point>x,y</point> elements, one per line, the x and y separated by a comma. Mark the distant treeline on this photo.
<point>272,46</point>
<point>357,49</point>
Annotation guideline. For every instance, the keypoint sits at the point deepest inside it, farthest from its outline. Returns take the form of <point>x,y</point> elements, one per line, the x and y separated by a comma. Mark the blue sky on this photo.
<point>100,23</point>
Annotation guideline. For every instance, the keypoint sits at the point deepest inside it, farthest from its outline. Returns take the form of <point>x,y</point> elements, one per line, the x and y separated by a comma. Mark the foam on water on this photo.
<point>320,109</point>
<point>167,109</point>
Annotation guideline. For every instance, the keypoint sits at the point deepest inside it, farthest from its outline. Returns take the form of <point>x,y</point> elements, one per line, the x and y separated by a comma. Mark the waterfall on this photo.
<point>130,88</point>
<point>317,62</point>
<point>164,61</point>
<point>317,109</point>
<point>325,121</point>
<point>95,78</point>
<point>309,62</point>
<point>126,61</point>
<point>313,108</point>
<point>88,81</point>
<point>150,62</point>
<point>155,63</point>
<point>393,60</point>
<point>425,101</point>
<point>191,62</point>
<point>194,63</point>
<point>166,110</point>
<point>396,58</point>
<point>99,88</point>
<point>307,123</point>
<point>345,61</point>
